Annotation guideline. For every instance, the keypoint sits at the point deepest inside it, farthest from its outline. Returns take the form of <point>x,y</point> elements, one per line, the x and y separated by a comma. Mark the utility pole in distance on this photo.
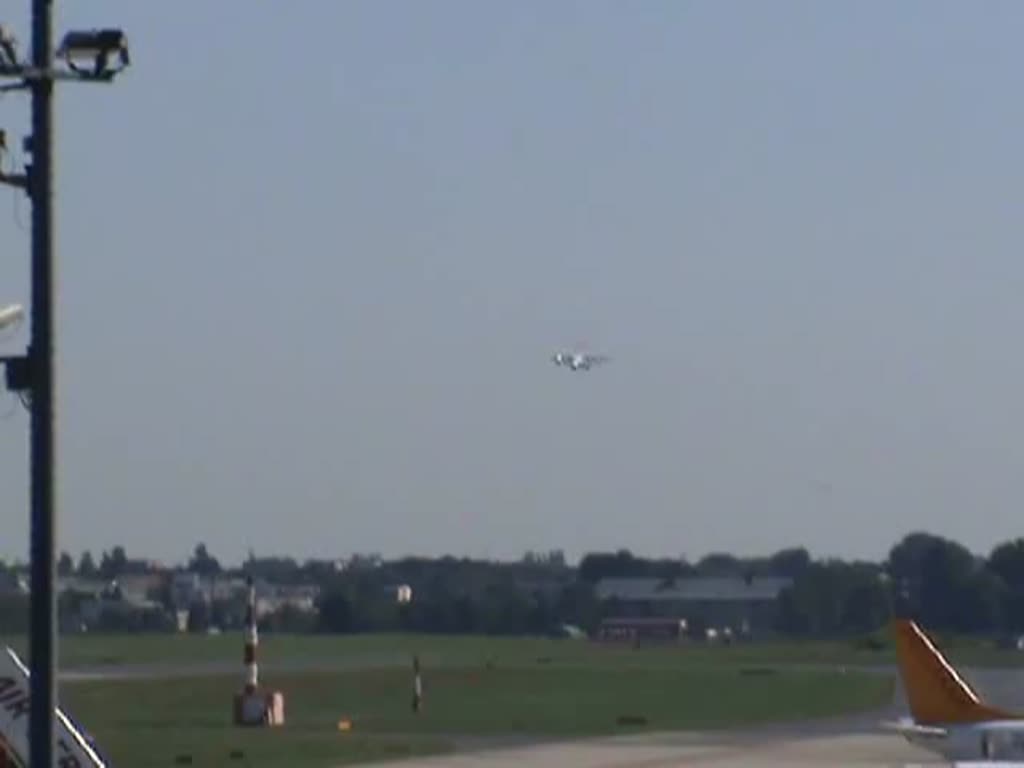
<point>87,56</point>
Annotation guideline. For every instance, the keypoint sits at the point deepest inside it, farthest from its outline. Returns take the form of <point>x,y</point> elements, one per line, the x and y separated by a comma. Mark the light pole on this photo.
<point>33,374</point>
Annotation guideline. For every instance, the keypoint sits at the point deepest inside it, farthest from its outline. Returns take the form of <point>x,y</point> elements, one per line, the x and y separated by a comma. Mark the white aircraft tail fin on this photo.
<point>72,747</point>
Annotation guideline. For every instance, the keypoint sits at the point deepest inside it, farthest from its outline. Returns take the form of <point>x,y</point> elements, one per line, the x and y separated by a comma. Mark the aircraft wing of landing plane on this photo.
<point>10,315</point>
<point>947,715</point>
<point>73,749</point>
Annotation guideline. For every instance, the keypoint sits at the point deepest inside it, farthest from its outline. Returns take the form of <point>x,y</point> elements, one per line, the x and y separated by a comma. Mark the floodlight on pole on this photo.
<point>96,46</point>
<point>85,54</point>
<point>31,375</point>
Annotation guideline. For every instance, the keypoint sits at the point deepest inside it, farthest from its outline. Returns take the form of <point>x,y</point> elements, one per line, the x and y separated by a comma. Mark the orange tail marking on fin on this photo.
<point>935,691</point>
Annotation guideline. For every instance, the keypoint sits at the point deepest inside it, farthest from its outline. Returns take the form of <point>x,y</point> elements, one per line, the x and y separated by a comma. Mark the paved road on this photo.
<point>851,750</point>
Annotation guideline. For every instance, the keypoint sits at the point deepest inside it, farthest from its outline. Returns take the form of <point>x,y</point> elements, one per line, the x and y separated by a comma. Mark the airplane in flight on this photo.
<point>578,361</point>
<point>10,315</point>
<point>948,718</point>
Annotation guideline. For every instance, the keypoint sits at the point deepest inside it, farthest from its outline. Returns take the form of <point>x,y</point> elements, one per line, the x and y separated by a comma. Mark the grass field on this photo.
<point>141,723</point>
<point>476,690</point>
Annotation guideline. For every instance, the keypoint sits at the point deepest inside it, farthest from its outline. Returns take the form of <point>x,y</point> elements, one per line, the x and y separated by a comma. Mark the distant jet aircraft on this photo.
<point>947,716</point>
<point>10,315</point>
<point>578,361</point>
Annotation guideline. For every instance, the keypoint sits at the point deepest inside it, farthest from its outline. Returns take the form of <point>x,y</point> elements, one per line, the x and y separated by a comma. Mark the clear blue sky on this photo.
<point>314,261</point>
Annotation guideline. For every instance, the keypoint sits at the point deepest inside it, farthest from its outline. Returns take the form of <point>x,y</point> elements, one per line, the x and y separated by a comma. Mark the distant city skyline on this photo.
<point>312,273</point>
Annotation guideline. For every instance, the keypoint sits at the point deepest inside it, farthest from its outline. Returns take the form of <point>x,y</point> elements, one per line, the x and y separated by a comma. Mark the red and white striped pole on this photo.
<point>252,641</point>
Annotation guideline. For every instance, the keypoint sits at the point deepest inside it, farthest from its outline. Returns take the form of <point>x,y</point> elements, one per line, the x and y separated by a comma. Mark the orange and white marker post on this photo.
<point>252,706</point>
<point>252,641</point>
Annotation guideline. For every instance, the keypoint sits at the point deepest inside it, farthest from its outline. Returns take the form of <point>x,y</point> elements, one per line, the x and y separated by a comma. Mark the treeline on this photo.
<point>931,578</point>
<point>928,577</point>
<point>828,597</point>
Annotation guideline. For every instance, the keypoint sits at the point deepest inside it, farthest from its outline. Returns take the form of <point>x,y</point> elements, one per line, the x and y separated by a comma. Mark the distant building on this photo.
<point>226,596</point>
<point>186,588</point>
<point>642,629</point>
<point>733,606</point>
<point>271,598</point>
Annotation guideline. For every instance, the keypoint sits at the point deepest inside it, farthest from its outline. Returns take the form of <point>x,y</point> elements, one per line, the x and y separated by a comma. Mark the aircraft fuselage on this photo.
<point>987,740</point>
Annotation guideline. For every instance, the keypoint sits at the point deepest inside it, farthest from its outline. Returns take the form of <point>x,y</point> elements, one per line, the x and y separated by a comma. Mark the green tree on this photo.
<point>86,566</point>
<point>791,563</point>
<point>866,605</point>
<point>336,614</point>
<point>946,570</point>
<point>928,573</point>
<point>113,564</point>
<point>203,562</point>
<point>466,615</point>
<point>605,565</point>
<point>981,603</point>
<point>65,565</point>
<point>720,564</point>
<point>1007,563</point>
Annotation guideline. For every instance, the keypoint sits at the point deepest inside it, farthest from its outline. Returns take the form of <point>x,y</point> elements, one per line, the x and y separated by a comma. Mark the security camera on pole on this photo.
<point>91,56</point>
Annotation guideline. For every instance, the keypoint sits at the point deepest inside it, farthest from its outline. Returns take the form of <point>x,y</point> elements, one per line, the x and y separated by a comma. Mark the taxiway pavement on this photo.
<point>846,742</point>
<point>676,750</point>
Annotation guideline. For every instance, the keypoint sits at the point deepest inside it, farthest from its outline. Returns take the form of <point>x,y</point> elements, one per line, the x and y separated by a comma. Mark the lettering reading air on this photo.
<point>13,699</point>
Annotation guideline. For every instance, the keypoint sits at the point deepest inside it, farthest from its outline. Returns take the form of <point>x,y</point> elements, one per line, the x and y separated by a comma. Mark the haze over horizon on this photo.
<point>313,266</point>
